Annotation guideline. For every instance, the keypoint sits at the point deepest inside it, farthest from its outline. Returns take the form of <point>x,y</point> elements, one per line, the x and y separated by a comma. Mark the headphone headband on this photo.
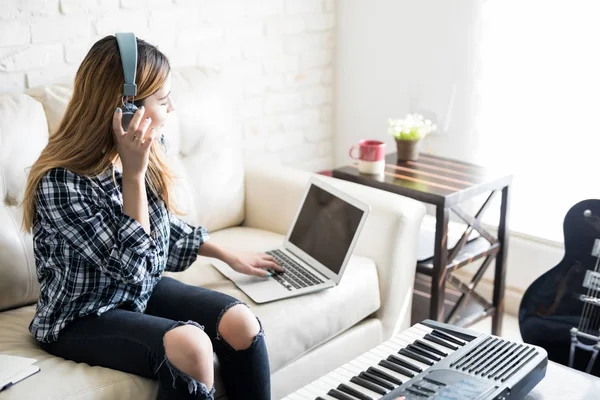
<point>128,48</point>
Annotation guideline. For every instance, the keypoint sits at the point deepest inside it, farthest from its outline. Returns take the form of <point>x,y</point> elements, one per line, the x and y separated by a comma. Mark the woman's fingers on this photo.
<point>135,122</point>
<point>149,138</point>
<point>142,129</point>
<point>270,259</point>
<point>116,123</point>
<point>269,265</point>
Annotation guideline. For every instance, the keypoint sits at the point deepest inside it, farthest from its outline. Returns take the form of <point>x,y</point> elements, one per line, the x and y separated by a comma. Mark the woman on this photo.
<point>97,202</point>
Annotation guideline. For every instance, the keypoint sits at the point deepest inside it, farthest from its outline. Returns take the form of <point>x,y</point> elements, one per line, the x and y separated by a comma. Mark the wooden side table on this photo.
<point>447,183</point>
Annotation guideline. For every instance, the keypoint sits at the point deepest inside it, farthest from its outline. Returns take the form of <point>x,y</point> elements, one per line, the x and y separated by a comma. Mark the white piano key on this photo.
<point>355,372</point>
<point>436,346</point>
<point>313,391</point>
<point>395,374</point>
<point>345,379</point>
<point>391,373</point>
<point>351,368</point>
<point>416,363</point>
<point>298,395</point>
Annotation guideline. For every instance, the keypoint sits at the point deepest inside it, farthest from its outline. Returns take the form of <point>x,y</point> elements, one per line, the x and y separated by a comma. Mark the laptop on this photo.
<point>316,249</point>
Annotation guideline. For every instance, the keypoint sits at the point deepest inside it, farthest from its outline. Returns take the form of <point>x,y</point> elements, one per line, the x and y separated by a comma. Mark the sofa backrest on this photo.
<point>203,149</point>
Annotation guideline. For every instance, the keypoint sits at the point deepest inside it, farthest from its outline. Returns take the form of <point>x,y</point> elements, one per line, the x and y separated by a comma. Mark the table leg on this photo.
<point>440,259</point>
<point>500,273</point>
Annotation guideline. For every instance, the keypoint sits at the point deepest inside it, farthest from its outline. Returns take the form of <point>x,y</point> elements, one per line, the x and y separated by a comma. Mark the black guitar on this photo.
<point>560,311</point>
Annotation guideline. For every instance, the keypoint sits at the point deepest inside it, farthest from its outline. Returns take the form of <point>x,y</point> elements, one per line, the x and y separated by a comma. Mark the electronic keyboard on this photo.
<point>434,360</point>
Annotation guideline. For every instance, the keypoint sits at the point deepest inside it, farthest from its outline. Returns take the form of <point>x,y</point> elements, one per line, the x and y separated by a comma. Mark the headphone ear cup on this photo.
<point>129,110</point>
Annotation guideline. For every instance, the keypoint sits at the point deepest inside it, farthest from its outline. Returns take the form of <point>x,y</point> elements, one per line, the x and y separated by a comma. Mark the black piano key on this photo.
<point>375,379</point>
<point>439,341</point>
<point>384,375</point>
<point>429,348</point>
<point>396,368</point>
<point>414,356</point>
<point>339,395</point>
<point>422,352</point>
<point>319,398</point>
<point>353,392</point>
<point>404,363</point>
<point>367,385</point>
<point>447,337</point>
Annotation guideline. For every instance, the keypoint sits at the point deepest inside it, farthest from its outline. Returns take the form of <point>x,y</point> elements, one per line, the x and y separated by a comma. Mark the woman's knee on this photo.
<point>238,327</point>
<point>188,346</point>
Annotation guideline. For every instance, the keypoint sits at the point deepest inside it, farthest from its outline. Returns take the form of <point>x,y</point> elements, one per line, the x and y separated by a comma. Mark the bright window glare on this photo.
<point>539,92</point>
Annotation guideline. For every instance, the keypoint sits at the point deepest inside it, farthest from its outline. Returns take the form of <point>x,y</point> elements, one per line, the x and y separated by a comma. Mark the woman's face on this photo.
<point>159,105</point>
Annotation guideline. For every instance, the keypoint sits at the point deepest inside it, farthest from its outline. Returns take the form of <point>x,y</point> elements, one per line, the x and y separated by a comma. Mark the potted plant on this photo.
<point>408,133</point>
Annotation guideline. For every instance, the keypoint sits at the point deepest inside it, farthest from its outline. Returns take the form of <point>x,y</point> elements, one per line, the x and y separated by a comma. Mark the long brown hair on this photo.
<point>84,141</point>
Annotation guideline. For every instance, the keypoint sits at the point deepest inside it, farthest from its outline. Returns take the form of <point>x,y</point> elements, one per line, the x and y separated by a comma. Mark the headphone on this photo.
<point>127,44</point>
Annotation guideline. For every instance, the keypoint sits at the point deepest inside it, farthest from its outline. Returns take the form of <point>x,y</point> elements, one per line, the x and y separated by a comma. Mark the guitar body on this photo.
<point>552,305</point>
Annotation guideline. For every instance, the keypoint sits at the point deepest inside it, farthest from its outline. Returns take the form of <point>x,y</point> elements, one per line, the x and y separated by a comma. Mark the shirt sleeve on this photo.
<point>112,242</point>
<point>184,242</point>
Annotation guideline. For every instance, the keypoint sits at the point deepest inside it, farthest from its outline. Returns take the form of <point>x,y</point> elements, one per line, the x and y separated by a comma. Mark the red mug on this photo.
<point>371,156</point>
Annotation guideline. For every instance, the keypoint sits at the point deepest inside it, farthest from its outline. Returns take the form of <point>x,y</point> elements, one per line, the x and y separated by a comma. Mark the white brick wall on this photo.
<point>277,54</point>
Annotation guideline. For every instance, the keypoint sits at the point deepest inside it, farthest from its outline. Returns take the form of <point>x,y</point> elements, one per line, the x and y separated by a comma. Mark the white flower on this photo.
<point>413,127</point>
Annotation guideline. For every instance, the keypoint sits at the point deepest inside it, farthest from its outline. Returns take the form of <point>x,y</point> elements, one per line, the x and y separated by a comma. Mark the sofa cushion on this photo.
<point>23,134</point>
<point>292,326</point>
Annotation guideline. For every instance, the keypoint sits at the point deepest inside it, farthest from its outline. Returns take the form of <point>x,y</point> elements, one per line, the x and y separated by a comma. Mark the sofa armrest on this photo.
<point>389,236</point>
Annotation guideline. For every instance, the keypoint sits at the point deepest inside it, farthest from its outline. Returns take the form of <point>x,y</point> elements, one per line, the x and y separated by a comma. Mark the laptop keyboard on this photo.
<point>295,276</point>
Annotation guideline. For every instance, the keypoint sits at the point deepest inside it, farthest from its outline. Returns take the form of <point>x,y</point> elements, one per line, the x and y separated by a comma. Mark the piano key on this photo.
<point>411,354</point>
<point>376,380</point>
<point>434,344</point>
<point>393,378</point>
<point>368,385</point>
<point>339,395</point>
<point>384,375</point>
<point>353,392</point>
<point>403,363</point>
<point>297,396</point>
<point>312,391</point>
<point>344,379</point>
<point>376,363</point>
<point>306,393</point>
<point>413,337</point>
<point>448,337</point>
<point>431,349</point>
<point>424,353</point>
<point>439,341</point>
<point>371,362</point>
<point>396,368</point>
<point>409,363</point>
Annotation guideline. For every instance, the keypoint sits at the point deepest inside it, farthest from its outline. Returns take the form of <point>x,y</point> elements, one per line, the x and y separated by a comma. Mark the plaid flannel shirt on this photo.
<point>91,257</point>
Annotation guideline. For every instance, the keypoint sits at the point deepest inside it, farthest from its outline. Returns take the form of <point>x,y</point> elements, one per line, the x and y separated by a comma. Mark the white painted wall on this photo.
<point>277,55</point>
<point>399,56</point>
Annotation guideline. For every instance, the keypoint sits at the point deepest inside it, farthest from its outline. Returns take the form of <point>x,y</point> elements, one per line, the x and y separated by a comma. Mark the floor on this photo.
<point>510,327</point>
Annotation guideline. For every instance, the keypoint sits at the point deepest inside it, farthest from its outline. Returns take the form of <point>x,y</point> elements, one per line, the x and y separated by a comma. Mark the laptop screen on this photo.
<point>325,227</point>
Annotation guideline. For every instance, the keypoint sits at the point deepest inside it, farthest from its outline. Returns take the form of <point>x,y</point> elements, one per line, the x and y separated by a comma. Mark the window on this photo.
<point>539,98</point>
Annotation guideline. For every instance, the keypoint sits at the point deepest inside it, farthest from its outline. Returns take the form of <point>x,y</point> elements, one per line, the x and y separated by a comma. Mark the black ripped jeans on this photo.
<point>133,342</point>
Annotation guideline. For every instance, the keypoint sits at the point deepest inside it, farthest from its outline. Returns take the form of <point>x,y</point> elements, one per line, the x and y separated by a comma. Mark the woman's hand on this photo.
<point>253,263</point>
<point>134,144</point>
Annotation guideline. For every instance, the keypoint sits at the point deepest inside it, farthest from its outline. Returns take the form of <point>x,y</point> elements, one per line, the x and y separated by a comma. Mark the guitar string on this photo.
<point>585,320</point>
<point>594,327</point>
<point>586,314</point>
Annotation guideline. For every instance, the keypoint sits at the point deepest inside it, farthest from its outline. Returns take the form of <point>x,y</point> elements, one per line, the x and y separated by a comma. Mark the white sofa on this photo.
<point>245,205</point>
